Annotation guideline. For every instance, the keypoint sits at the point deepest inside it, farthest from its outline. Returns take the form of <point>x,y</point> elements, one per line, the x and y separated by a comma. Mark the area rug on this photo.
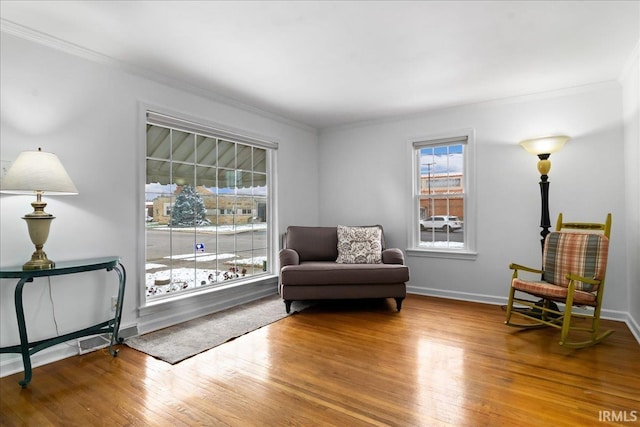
<point>177,343</point>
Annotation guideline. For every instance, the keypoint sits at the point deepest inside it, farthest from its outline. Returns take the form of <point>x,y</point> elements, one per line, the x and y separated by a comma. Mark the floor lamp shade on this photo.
<point>545,144</point>
<point>37,173</point>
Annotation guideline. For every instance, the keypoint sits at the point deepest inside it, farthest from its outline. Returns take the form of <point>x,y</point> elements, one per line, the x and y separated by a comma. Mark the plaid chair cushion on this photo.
<point>577,253</point>
<point>553,292</point>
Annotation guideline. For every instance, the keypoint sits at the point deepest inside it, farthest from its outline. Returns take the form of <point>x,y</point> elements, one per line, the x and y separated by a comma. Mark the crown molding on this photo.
<point>56,43</point>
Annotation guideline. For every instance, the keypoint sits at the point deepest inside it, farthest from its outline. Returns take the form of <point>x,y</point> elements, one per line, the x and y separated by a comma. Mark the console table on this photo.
<point>112,326</point>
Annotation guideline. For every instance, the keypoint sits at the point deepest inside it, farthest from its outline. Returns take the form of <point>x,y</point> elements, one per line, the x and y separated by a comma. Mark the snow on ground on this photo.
<point>203,256</point>
<point>172,280</point>
<point>220,229</point>
<point>452,245</point>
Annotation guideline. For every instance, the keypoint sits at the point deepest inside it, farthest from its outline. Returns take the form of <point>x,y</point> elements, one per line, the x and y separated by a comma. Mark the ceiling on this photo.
<point>329,63</point>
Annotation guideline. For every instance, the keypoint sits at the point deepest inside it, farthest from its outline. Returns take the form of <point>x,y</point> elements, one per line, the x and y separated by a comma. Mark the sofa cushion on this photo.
<point>332,273</point>
<point>313,243</point>
<point>359,245</point>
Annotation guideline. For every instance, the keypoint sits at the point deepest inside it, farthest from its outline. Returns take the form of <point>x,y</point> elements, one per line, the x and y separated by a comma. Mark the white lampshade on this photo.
<point>37,172</point>
<point>545,144</point>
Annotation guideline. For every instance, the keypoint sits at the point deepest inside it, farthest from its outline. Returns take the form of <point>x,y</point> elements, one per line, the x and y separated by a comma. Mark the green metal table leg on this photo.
<point>122,275</point>
<point>22,328</point>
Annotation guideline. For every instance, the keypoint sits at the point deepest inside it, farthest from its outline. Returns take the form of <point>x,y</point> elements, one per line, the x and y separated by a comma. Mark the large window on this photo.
<point>443,213</point>
<point>206,207</point>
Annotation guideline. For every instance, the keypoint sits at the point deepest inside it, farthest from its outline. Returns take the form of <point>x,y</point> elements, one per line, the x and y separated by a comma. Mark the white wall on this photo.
<point>364,179</point>
<point>87,112</point>
<point>631,107</point>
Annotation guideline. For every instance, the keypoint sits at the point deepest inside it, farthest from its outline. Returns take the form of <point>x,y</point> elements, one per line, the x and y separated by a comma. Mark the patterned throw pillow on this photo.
<point>359,245</point>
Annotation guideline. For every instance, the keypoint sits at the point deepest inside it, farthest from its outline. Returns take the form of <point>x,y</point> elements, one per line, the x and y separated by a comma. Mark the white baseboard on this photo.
<point>12,362</point>
<point>633,327</point>
<point>462,296</point>
<point>490,299</point>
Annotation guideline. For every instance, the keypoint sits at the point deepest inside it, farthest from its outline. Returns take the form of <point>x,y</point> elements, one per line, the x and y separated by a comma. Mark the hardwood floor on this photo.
<point>437,362</point>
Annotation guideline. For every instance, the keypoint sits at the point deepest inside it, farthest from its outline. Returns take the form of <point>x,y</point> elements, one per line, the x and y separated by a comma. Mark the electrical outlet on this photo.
<point>114,303</point>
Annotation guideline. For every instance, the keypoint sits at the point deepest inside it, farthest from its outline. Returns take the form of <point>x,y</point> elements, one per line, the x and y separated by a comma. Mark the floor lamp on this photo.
<point>543,147</point>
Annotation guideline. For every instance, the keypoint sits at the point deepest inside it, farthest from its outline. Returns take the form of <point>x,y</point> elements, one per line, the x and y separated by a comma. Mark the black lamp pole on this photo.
<point>545,221</point>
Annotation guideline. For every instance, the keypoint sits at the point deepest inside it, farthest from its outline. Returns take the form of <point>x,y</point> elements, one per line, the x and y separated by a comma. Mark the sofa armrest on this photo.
<point>392,256</point>
<point>289,257</point>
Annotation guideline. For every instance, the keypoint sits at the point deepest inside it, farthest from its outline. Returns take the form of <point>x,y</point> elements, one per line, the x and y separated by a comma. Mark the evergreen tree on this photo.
<point>189,210</point>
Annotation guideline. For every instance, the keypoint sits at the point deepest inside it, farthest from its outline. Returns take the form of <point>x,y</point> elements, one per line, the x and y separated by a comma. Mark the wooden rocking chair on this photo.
<point>574,265</point>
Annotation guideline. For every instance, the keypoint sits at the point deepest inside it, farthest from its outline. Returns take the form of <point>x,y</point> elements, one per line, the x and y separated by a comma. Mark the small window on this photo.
<point>442,195</point>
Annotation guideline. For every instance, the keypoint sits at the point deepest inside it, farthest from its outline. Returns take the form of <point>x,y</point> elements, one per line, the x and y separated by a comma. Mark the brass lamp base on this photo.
<point>39,261</point>
<point>38,223</point>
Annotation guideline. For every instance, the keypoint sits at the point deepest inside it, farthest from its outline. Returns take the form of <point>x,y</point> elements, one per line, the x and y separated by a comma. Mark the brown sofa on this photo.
<point>309,271</point>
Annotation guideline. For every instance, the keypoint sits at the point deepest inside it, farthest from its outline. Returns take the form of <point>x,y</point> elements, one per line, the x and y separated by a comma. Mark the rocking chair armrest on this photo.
<point>576,278</point>
<point>514,266</point>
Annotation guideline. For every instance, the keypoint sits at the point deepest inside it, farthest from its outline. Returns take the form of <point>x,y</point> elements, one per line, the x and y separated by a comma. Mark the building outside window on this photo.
<point>443,215</point>
<point>206,199</point>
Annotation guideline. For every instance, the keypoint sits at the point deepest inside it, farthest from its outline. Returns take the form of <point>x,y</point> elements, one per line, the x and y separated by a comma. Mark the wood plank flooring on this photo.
<point>436,363</point>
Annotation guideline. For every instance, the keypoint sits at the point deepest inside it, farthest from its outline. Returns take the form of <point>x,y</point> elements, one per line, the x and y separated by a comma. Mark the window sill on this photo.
<point>442,253</point>
<point>169,311</point>
<point>199,292</point>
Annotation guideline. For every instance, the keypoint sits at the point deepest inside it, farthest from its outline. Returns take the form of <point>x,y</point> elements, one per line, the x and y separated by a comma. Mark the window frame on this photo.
<point>469,251</point>
<point>199,125</point>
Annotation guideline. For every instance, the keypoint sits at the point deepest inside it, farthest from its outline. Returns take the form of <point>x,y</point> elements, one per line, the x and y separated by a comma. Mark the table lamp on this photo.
<point>38,172</point>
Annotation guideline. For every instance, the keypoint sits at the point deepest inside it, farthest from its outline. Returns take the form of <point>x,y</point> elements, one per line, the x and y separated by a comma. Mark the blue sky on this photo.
<point>441,159</point>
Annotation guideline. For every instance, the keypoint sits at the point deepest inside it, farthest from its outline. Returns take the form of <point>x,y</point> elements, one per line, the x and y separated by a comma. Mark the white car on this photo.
<point>441,222</point>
